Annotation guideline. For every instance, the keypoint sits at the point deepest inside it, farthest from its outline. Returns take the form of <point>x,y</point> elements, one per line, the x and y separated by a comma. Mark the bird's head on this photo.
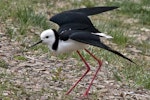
<point>47,37</point>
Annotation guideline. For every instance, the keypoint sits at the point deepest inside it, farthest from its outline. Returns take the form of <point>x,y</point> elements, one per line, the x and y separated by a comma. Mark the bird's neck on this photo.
<point>56,42</point>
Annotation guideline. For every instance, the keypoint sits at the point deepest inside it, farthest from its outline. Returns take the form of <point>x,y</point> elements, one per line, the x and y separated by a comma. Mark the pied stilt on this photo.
<point>76,32</point>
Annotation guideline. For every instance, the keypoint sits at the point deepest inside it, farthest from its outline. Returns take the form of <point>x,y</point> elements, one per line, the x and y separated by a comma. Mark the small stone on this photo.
<point>44,98</point>
<point>103,90</point>
<point>5,93</point>
<point>145,29</point>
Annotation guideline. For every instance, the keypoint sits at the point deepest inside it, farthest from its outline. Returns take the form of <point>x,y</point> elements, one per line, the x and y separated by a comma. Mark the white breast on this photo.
<point>68,46</point>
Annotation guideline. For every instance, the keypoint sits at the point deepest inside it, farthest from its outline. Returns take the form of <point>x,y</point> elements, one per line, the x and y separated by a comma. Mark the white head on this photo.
<point>47,37</point>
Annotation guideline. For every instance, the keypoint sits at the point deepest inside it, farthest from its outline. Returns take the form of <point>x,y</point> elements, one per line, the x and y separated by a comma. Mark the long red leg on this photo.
<point>100,64</point>
<point>88,69</point>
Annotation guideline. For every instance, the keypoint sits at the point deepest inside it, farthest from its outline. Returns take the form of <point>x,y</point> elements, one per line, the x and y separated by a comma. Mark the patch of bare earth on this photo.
<point>37,77</point>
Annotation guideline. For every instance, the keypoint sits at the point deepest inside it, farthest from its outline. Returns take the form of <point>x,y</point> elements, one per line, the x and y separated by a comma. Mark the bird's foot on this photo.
<point>84,97</point>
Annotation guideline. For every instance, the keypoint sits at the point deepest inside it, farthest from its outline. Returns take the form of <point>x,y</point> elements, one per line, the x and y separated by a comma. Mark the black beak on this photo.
<point>36,44</point>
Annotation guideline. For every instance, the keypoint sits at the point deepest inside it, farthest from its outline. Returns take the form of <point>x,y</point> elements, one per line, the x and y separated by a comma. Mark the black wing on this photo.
<point>91,39</point>
<point>70,17</point>
<point>62,18</point>
<point>93,10</point>
<point>78,19</point>
<point>73,21</point>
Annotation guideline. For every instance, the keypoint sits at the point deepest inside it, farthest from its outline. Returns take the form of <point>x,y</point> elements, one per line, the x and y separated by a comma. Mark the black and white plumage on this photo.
<point>75,32</point>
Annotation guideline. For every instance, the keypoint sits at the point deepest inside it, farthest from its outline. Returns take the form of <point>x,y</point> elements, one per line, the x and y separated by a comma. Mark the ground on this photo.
<point>37,74</point>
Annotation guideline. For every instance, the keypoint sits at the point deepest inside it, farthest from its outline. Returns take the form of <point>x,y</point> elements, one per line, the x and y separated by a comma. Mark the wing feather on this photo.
<point>91,39</point>
<point>93,10</point>
<point>78,16</point>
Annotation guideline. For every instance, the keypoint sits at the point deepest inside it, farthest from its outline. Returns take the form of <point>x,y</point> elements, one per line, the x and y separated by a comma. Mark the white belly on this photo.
<point>68,46</point>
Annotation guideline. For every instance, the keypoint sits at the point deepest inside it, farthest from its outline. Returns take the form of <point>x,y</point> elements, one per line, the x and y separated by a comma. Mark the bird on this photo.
<point>76,32</point>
